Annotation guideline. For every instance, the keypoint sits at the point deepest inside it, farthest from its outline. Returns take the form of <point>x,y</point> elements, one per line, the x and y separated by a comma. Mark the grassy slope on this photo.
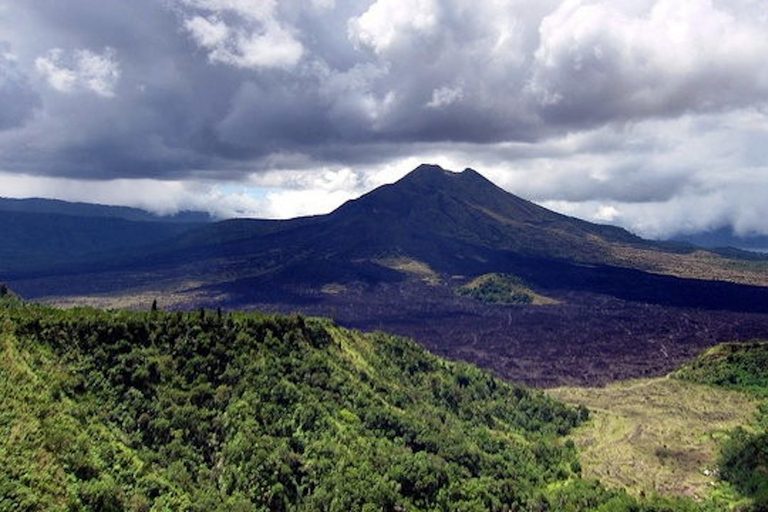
<point>702,431</point>
<point>658,434</point>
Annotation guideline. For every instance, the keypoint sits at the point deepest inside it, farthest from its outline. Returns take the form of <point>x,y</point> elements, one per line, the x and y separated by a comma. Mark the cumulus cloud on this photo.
<point>242,33</point>
<point>600,61</point>
<point>82,69</point>
<point>388,22</point>
<point>445,96</point>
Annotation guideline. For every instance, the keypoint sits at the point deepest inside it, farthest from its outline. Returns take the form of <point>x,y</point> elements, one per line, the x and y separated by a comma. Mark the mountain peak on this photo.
<point>431,174</point>
<point>471,173</point>
<point>428,172</point>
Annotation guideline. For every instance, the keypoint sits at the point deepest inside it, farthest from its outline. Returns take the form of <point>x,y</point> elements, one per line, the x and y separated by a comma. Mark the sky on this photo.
<point>649,114</point>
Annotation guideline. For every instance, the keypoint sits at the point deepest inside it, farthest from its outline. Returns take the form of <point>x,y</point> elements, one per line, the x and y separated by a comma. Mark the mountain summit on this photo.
<point>437,215</point>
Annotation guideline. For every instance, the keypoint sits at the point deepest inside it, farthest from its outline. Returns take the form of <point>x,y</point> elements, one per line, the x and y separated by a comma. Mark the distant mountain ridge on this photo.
<point>77,209</point>
<point>726,237</point>
<point>43,233</point>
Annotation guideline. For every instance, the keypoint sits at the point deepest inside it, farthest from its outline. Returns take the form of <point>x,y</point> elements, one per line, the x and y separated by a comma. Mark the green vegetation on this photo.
<point>739,366</point>
<point>744,457</point>
<point>150,411</point>
<point>117,410</point>
<point>504,289</point>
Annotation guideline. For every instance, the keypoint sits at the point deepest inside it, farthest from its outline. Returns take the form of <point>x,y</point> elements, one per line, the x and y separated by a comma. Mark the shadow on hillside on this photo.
<point>638,286</point>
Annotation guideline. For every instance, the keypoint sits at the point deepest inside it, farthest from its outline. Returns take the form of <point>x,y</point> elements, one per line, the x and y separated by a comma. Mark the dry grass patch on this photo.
<point>412,267</point>
<point>696,265</point>
<point>657,435</point>
<point>186,294</point>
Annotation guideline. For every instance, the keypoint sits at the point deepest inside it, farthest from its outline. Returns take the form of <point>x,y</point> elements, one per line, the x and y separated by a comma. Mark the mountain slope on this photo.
<point>32,241</point>
<point>45,234</point>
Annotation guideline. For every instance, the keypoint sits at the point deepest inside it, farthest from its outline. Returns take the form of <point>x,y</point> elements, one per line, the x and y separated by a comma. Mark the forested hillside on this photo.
<point>116,410</point>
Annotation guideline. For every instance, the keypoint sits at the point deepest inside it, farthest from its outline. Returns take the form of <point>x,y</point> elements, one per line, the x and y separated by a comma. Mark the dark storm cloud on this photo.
<point>18,100</point>
<point>205,84</point>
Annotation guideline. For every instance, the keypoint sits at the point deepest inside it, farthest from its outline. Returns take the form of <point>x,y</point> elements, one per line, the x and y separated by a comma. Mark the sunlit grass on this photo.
<point>657,435</point>
<point>412,267</point>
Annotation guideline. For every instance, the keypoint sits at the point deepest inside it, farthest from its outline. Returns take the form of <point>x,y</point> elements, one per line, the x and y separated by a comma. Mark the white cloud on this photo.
<point>600,61</point>
<point>445,96</point>
<point>276,47</point>
<point>287,204</point>
<point>682,214</point>
<point>60,78</point>
<point>327,179</point>
<point>388,21</point>
<point>606,213</point>
<point>209,33</point>
<point>81,69</point>
<point>163,197</point>
<point>243,33</point>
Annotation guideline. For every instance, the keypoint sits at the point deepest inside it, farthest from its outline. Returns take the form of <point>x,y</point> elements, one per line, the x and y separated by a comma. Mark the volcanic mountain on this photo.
<point>455,223</point>
<point>410,256</point>
<point>432,221</point>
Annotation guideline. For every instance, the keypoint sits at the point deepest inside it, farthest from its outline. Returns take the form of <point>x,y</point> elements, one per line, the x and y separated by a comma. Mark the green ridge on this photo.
<point>739,366</point>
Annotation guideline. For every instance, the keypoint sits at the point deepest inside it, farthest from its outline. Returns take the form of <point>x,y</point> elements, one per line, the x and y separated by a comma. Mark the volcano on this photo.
<point>398,257</point>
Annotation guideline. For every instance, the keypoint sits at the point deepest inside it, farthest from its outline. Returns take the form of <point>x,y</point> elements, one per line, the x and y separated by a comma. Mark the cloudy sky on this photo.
<point>652,114</point>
